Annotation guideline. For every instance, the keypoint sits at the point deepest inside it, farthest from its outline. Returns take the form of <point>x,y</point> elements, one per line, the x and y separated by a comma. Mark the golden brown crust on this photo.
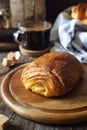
<point>80,12</point>
<point>52,74</point>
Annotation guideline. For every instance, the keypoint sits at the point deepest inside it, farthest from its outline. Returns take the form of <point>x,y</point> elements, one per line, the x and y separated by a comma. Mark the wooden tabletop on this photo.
<point>20,123</point>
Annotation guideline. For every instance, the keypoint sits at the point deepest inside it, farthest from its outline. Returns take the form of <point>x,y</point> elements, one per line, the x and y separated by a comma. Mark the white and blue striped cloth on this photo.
<point>69,35</point>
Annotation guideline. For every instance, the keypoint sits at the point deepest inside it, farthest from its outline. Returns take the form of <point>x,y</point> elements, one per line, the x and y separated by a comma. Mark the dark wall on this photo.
<point>54,7</point>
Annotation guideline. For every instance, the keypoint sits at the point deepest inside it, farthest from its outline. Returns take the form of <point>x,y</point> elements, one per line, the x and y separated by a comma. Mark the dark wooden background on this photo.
<point>54,7</point>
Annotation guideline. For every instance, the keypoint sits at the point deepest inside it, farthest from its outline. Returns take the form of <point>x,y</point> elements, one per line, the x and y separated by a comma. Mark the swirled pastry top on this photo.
<point>80,12</point>
<point>52,74</point>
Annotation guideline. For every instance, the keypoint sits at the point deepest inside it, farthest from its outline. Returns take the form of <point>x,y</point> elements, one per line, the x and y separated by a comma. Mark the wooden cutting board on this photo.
<point>68,109</point>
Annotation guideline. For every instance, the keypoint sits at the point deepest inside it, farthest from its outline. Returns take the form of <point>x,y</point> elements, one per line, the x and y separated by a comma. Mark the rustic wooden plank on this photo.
<point>17,14</point>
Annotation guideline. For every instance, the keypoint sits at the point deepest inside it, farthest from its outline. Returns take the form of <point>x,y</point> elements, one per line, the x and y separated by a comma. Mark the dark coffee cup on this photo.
<point>33,35</point>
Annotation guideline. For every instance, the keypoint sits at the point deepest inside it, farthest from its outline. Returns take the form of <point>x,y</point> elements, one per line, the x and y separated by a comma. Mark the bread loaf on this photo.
<point>80,12</point>
<point>52,74</point>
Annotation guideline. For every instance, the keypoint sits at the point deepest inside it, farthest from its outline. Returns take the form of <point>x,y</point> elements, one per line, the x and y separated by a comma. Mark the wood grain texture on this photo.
<point>67,109</point>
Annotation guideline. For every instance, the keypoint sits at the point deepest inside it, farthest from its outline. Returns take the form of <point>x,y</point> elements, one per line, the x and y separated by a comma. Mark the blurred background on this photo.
<point>21,10</point>
<point>14,11</point>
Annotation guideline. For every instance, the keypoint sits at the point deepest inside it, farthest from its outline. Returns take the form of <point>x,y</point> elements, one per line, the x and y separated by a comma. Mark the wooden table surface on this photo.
<point>20,123</point>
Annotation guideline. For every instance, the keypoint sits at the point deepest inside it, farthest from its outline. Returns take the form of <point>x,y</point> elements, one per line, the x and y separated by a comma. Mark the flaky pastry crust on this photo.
<point>52,74</point>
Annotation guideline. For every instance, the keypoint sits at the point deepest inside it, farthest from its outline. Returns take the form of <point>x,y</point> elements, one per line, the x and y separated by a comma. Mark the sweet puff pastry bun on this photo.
<point>80,12</point>
<point>52,74</point>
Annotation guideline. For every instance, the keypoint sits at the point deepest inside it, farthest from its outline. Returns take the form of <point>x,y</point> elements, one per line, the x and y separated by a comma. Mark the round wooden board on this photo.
<point>68,109</point>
